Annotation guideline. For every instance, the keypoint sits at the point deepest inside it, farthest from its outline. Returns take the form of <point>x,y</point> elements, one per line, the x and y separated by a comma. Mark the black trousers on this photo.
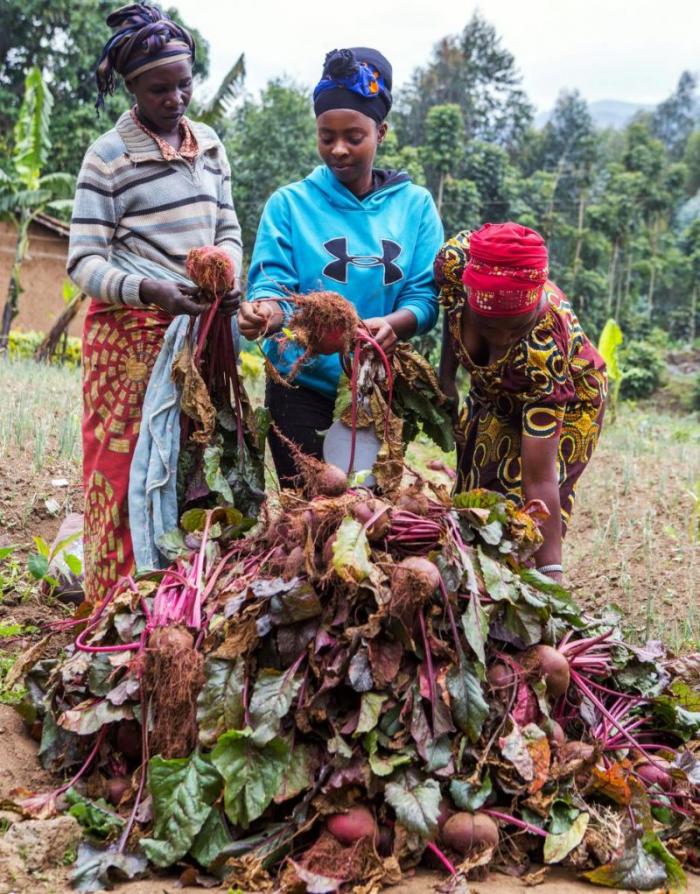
<point>303,416</point>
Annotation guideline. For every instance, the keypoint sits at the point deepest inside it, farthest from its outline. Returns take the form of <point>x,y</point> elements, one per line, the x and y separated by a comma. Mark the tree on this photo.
<point>691,158</point>
<point>25,191</point>
<point>272,143</point>
<point>64,39</point>
<point>476,73</point>
<point>674,119</point>
<point>443,146</point>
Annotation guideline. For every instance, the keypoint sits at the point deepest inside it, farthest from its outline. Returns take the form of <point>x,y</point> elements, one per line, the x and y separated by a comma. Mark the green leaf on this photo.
<point>557,846</point>
<point>644,865</point>
<point>221,105</point>
<point>271,700</point>
<point>252,773</point>
<point>193,520</point>
<point>469,707</point>
<point>96,817</point>
<point>38,566</point>
<point>370,709</point>
<point>608,344</point>
<point>213,475</point>
<point>211,839</point>
<point>468,796</point>
<point>416,806</point>
<point>475,623</point>
<point>300,773</point>
<point>75,566</point>
<point>500,582</point>
<point>220,700</point>
<point>183,790</point>
<point>96,869</point>
<point>351,552</point>
<point>42,546</point>
<point>6,551</point>
<point>32,143</point>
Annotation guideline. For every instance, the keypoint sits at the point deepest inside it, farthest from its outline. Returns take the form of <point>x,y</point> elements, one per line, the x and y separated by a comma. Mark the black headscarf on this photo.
<point>358,78</point>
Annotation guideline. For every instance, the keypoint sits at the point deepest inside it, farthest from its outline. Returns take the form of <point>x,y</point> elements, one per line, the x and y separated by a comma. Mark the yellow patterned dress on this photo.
<point>550,384</point>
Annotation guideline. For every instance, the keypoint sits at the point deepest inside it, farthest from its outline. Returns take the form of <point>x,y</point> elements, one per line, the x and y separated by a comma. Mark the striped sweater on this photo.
<point>136,216</point>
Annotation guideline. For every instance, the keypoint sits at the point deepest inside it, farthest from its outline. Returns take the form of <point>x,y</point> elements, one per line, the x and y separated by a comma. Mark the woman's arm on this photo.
<point>540,481</point>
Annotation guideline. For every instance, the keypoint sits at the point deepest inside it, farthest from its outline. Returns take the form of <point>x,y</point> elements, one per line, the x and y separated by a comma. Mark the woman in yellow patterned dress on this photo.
<point>533,414</point>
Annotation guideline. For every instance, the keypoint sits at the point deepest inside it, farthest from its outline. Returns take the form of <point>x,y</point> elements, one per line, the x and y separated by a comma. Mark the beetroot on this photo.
<point>331,342</point>
<point>128,739</point>
<point>500,678</point>
<point>350,827</point>
<point>295,564</point>
<point>413,500</point>
<point>415,573</point>
<point>577,753</point>
<point>366,510</point>
<point>656,773</point>
<point>211,268</point>
<point>551,666</point>
<point>466,832</point>
<point>117,788</point>
<point>555,733</point>
<point>175,638</point>
<point>331,481</point>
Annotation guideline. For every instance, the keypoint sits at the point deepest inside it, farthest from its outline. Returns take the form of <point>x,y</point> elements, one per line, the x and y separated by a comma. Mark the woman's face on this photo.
<point>347,143</point>
<point>163,94</point>
<point>502,332</point>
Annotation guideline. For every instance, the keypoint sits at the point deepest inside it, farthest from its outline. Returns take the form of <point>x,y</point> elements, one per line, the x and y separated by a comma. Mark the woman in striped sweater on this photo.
<point>149,190</point>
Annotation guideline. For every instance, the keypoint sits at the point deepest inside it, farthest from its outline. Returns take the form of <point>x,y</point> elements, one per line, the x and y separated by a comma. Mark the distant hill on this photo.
<point>614,113</point>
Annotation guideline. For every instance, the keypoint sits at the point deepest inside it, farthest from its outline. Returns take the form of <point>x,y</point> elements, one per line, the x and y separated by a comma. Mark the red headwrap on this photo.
<point>506,271</point>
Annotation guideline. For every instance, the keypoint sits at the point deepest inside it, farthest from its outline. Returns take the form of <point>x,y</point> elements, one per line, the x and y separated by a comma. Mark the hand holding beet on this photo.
<point>259,318</point>
<point>381,331</point>
<point>174,299</point>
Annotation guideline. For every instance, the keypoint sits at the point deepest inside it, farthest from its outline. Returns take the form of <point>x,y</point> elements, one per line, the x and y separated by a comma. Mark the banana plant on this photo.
<point>221,105</point>
<point>25,191</point>
<point>610,340</point>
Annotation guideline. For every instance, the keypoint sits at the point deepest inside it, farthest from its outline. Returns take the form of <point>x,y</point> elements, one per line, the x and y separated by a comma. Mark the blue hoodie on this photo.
<point>378,252</point>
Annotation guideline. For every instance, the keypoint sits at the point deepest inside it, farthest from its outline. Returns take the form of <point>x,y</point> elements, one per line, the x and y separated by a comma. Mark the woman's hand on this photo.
<point>230,302</point>
<point>174,299</point>
<point>258,318</point>
<point>381,331</point>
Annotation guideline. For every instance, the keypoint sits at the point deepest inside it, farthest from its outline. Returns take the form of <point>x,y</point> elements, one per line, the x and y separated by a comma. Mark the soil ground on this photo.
<point>634,541</point>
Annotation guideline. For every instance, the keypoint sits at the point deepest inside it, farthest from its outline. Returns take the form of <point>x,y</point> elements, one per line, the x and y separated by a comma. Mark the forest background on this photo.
<point>620,208</point>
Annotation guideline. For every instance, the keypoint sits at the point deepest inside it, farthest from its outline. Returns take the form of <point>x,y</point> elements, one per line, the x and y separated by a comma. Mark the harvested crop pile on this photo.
<point>414,695</point>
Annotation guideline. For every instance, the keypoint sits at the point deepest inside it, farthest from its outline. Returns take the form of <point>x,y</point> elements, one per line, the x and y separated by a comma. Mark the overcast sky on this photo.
<point>609,49</point>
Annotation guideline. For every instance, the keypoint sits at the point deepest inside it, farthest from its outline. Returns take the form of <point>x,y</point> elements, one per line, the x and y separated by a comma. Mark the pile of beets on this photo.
<point>356,688</point>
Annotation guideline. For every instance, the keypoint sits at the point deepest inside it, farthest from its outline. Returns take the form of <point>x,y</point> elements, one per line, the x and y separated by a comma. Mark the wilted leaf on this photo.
<point>96,869</point>
<point>645,865</point>
<point>252,773</point>
<point>385,660</point>
<point>314,882</point>
<point>359,672</point>
<point>416,805</point>
<point>183,791</point>
<point>351,552</point>
<point>557,846</point>
<point>298,603</point>
<point>469,707</point>
<point>220,701</point>
<point>613,782</point>
<point>272,698</point>
<point>90,716</point>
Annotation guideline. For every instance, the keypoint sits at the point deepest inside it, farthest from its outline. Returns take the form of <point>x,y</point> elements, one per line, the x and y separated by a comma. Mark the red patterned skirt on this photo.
<point>120,346</point>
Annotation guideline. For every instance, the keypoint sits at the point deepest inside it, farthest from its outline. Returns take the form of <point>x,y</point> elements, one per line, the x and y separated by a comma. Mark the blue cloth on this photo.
<point>378,252</point>
<point>153,508</point>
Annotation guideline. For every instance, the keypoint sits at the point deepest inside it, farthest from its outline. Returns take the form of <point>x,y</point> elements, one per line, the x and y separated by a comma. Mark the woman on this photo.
<point>349,228</point>
<point>150,189</point>
<point>535,407</point>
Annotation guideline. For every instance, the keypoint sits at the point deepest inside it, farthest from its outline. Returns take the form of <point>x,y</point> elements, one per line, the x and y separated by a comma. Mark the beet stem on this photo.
<point>441,857</point>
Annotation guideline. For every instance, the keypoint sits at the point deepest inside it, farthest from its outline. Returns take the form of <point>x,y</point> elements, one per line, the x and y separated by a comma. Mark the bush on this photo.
<point>695,398</point>
<point>642,367</point>
<point>22,345</point>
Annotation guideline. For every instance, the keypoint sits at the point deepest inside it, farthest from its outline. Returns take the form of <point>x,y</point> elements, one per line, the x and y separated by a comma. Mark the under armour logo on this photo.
<point>338,269</point>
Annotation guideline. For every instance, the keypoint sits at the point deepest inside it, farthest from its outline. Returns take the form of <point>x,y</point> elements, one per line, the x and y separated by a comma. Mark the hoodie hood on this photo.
<point>384,183</point>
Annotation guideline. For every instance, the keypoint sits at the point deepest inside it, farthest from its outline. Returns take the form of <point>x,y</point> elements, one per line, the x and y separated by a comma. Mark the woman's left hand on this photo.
<point>230,302</point>
<point>382,332</point>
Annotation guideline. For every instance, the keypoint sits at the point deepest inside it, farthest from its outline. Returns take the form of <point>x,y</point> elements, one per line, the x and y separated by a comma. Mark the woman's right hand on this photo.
<point>257,318</point>
<point>174,299</point>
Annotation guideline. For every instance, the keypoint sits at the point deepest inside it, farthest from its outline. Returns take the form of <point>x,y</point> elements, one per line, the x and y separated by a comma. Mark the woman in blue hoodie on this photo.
<point>370,235</point>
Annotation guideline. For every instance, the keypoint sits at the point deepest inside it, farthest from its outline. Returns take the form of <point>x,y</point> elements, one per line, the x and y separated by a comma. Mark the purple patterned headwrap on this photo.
<point>144,38</point>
